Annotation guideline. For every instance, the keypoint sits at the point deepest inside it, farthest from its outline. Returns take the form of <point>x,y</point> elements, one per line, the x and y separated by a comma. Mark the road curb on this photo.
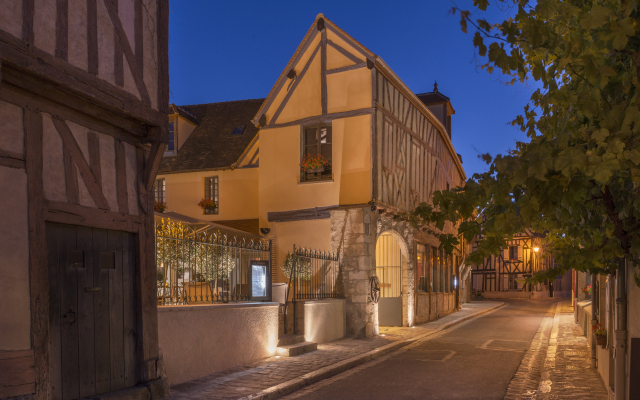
<point>298,383</point>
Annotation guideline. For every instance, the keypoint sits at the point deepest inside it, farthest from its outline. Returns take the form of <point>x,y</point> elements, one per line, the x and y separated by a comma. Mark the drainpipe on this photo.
<point>621,331</point>
<point>594,319</point>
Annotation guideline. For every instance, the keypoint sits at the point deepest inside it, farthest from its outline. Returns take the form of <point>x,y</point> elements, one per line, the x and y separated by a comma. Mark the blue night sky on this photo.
<point>233,50</point>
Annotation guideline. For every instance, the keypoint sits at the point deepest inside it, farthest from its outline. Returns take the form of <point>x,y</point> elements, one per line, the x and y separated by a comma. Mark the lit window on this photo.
<point>159,190</point>
<point>317,142</point>
<point>211,193</point>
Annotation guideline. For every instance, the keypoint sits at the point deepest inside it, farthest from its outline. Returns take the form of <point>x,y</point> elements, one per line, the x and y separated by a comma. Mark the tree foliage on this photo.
<point>578,178</point>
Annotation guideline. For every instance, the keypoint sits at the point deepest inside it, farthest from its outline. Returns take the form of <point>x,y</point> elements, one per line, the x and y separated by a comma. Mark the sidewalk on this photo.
<point>567,371</point>
<point>558,363</point>
<point>274,377</point>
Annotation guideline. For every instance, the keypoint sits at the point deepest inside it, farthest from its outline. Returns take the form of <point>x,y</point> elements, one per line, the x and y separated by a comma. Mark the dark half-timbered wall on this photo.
<point>83,122</point>
<point>413,158</point>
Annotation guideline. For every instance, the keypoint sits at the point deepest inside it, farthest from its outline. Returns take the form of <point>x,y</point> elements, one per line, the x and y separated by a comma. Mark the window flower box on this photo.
<point>160,206</point>
<point>314,163</point>
<point>208,206</point>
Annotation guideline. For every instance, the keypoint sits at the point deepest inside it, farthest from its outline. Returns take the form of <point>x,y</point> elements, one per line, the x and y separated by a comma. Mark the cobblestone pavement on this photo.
<point>252,378</point>
<point>560,367</point>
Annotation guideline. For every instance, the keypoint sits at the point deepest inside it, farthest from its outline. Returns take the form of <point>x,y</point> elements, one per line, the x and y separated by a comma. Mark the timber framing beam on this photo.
<point>322,118</point>
<point>417,138</point>
<point>309,213</point>
<point>67,213</point>
<point>22,56</point>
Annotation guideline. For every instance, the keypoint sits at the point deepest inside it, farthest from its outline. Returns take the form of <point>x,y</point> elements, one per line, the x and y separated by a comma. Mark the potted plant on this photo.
<point>303,267</point>
<point>601,334</point>
<point>160,206</point>
<point>587,290</point>
<point>208,206</point>
<point>314,163</point>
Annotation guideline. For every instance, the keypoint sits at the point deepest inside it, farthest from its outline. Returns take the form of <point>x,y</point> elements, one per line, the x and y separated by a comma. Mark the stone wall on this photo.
<point>353,238</point>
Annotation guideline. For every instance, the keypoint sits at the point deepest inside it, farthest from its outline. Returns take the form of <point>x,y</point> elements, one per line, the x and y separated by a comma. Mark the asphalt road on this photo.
<point>475,360</point>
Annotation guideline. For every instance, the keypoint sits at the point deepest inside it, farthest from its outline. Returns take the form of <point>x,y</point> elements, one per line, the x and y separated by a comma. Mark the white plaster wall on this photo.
<point>202,339</point>
<point>108,170</point>
<point>106,46</point>
<point>11,17</point>
<point>77,37</point>
<point>11,128</point>
<point>80,134</point>
<point>15,314</point>
<point>325,320</point>
<point>44,25</point>
<point>149,29</point>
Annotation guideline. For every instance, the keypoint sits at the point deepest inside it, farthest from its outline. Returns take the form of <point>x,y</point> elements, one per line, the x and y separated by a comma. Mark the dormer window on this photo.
<point>171,145</point>
<point>238,130</point>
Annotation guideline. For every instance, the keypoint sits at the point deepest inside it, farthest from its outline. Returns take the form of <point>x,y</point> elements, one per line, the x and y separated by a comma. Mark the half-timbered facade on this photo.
<point>503,275</point>
<point>83,126</point>
<point>386,150</point>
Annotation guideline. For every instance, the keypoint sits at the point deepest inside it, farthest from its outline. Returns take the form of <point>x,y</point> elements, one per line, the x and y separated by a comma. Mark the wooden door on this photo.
<point>92,310</point>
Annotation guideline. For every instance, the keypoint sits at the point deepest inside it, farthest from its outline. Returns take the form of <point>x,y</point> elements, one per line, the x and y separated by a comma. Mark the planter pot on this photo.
<point>601,341</point>
<point>312,171</point>
<point>210,210</point>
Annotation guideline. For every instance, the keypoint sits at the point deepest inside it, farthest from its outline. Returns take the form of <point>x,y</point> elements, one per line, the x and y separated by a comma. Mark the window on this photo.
<point>211,193</point>
<point>446,278</point>
<point>513,252</point>
<point>317,140</point>
<point>450,258</point>
<point>171,145</point>
<point>238,130</point>
<point>436,269</point>
<point>422,263</point>
<point>159,190</point>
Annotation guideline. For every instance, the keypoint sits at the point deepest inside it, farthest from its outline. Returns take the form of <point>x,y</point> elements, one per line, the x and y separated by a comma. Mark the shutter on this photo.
<point>207,188</point>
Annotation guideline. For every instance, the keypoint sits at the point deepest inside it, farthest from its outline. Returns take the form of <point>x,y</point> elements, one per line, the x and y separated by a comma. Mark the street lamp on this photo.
<point>536,249</point>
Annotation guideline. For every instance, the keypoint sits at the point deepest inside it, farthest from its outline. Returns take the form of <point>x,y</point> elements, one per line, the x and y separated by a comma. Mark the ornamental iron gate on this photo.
<point>201,267</point>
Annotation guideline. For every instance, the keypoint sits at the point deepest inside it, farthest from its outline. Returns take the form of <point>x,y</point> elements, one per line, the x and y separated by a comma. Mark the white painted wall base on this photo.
<point>199,340</point>
<point>325,320</point>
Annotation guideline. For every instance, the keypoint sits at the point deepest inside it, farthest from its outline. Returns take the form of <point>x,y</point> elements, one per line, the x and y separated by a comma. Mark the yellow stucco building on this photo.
<point>384,150</point>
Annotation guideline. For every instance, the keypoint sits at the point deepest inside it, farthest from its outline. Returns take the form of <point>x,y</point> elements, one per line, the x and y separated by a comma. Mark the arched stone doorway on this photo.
<point>390,262</point>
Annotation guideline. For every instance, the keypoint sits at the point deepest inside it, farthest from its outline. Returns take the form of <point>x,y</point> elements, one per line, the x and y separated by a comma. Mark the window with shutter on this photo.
<point>316,140</point>
<point>211,193</point>
<point>159,190</point>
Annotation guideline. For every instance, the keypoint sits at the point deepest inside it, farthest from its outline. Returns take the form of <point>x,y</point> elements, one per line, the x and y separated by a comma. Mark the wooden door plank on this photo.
<point>129,308</point>
<point>69,311</point>
<point>86,323</point>
<point>55,349</point>
<point>116,314</point>
<point>101,314</point>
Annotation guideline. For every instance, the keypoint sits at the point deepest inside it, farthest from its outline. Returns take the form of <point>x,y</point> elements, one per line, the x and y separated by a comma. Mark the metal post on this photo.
<point>294,274</point>
<point>621,331</point>
<point>594,319</point>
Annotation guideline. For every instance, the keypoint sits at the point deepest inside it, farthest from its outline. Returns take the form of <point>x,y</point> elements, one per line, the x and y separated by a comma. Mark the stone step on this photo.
<point>284,340</point>
<point>292,350</point>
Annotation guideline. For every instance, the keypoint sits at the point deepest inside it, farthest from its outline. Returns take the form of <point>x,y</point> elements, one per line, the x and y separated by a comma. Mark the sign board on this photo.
<point>259,278</point>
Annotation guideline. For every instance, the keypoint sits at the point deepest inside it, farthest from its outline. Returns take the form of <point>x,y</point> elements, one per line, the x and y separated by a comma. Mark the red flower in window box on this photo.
<point>207,203</point>
<point>160,206</point>
<point>314,163</point>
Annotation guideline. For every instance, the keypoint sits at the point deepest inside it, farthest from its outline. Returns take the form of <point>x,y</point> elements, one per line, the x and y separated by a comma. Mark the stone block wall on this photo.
<point>353,238</point>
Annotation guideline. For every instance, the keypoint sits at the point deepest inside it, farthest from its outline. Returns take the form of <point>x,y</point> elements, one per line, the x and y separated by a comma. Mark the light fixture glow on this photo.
<point>382,334</point>
<point>536,249</point>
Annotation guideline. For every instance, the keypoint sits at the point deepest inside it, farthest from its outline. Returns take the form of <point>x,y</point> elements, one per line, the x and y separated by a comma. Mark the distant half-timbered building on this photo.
<point>83,126</point>
<point>504,275</point>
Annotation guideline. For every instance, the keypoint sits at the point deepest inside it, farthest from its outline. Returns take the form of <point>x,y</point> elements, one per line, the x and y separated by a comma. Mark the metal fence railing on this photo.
<point>202,267</point>
<point>312,274</point>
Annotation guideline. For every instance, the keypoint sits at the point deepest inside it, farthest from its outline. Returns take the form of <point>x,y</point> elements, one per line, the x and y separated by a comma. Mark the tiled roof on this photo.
<point>211,145</point>
<point>432,98</point>
<point>183,113</point>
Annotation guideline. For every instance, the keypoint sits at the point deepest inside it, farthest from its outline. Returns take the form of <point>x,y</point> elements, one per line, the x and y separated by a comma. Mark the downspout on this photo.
<point>594,319</point>
<point>621,331</point>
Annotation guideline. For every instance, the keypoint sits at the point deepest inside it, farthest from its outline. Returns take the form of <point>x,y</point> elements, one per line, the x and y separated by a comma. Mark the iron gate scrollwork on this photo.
<point>204,267</point>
